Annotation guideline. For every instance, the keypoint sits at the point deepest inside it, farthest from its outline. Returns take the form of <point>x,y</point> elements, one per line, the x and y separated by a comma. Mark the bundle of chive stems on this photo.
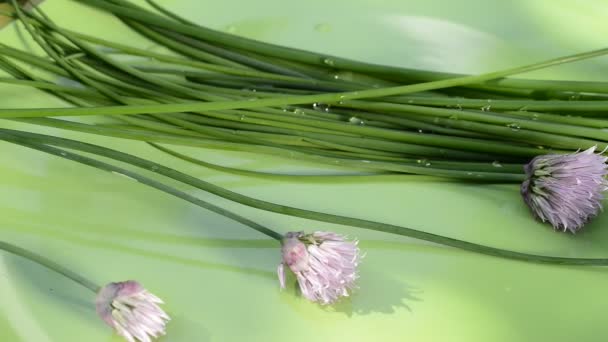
<point>216,90</point>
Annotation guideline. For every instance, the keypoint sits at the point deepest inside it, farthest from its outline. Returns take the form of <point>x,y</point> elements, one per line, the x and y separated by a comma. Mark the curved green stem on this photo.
<point>48,263</point>
<point>16,139</point>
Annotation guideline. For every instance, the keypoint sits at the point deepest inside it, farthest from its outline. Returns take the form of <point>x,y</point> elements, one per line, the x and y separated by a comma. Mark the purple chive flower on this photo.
<point>131,310</point>
<point>565,190</point>
<point>325,264</point>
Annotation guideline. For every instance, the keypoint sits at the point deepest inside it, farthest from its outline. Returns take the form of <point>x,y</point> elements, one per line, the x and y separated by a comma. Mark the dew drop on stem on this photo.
<point>514,127</point>
<point>356,121</point>
<point>328,61</point>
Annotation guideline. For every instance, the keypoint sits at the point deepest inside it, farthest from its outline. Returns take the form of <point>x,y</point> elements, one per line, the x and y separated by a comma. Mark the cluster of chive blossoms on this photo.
<point>566,190</point>
<point>324,263</point>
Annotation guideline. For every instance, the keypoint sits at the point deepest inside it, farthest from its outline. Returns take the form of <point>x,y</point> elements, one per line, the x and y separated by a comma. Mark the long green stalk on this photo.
<point>512,105</point>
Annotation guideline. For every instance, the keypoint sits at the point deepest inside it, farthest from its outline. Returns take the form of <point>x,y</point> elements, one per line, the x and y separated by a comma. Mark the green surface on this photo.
<point>218,278</point>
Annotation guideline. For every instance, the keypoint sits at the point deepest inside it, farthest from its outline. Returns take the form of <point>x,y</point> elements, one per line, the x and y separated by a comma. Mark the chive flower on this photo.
<point>324,263</point>
<point>132,311</point>
<point>566,190</point>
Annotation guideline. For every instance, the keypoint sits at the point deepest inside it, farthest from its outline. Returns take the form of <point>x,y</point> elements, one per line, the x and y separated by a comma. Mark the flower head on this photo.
<point>325,264</point>
<point>131,310</point>
<point>565,190</point>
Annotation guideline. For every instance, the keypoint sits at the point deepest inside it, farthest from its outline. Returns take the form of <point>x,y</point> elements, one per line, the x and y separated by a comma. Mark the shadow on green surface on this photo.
<point>395,294</point>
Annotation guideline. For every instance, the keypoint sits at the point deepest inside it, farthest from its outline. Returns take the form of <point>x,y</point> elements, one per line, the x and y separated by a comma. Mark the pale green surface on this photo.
<point>218,278</point>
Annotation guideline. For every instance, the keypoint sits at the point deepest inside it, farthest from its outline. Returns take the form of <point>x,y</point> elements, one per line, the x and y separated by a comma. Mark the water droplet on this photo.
<point>242,117</point>
<point>523,109</point>
<point>514,127</point>
<point>410,101</point>
<point>458,106</point>
<point>420,131</point>
<point>421,161</point>
<point>496,163</point>
<point>299,111</point>
<point>154,168</point>
<point>320,107</point>
<point>336,77</point>
<point>535,116</point>
<point>427,164</point>
<point>328,61</point>
<point>230,29</point>
<point>63,153</point>
<point>355,121</point>
<point>485,108</point>
<point>575,97</point>
<point>540,147</point>
<point>469,173</point>
<point>323,27</point>
<point>453,117</point>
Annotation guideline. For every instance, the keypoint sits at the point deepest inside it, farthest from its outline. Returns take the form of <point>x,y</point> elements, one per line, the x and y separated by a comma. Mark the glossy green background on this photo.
<point>218,278</point>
